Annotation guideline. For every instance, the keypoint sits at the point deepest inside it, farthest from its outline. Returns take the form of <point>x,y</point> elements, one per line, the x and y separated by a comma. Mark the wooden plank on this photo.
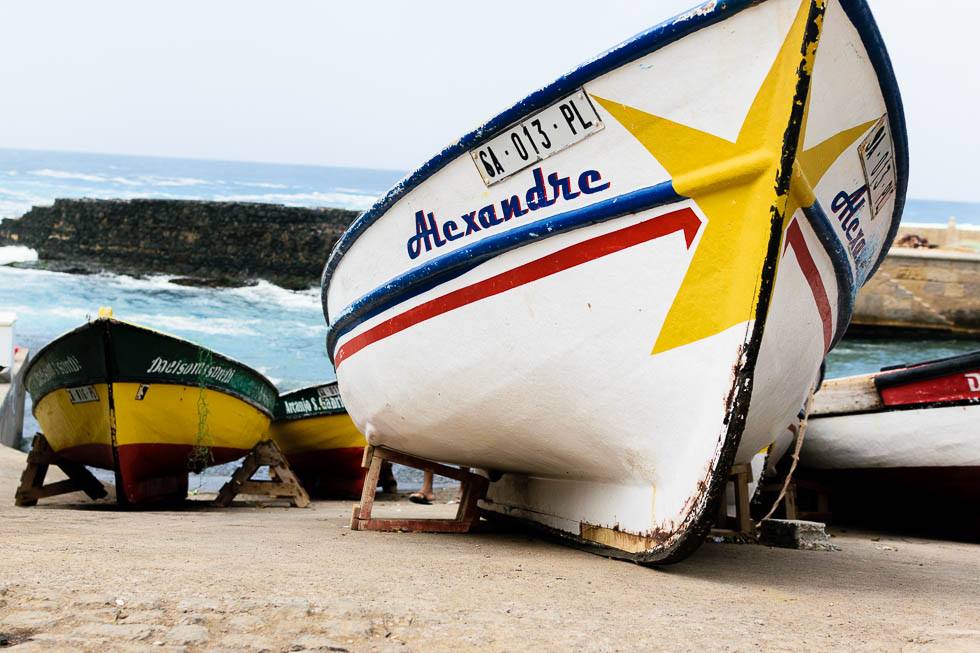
<point>283,482</point>
<point>846,395</point>
<point>474,488</point>
<point>40,458</point>
<point>414,525</point>
<point>411,461</point>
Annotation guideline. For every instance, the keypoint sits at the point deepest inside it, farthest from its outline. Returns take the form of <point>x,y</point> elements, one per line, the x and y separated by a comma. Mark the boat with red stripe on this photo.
<point>901,447</point>
<point>627,282</point>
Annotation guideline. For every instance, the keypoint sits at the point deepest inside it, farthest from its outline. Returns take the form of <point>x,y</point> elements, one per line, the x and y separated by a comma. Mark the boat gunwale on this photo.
<point>896,408</point>
<point>329,412</point>
<point>131,378</point>
<point>926,370</point>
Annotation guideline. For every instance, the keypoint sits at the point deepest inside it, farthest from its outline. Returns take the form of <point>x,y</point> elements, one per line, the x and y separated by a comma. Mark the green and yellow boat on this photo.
<point>146,405</point>
<point>320,442</point>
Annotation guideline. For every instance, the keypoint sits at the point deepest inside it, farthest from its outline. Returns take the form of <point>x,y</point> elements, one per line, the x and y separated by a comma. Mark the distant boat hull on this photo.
<point>145,405</point>
<point>901,447</point>
<point>608,325</point>
<point>320,441</point>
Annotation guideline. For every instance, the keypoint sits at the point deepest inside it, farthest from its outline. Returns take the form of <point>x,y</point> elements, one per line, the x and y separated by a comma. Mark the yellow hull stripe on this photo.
<point>317,433</point>
<point>67,425</point>
<point>167,414</point>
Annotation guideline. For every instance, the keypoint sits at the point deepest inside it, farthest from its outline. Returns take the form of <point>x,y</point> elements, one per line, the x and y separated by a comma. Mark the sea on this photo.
<point>279,332</point>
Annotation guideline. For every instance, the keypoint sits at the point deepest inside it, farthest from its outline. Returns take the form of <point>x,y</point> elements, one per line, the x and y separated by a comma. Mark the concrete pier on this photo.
<point>926,289</point>
<point>12,401</point>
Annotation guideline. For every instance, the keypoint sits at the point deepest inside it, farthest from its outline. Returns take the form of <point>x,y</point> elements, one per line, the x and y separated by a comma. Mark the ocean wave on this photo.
<point>154,180</point>
<point>76,314</point>
<point>265,293</point>
<point>79,176</point>
<point>340,200</point>
<point>221,326</point>
<point>260,184</point>
<point>17,254</point>
<point>139,180</point>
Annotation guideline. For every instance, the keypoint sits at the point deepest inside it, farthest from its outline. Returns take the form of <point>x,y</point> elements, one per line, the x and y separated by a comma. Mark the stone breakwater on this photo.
<point>215,243</point>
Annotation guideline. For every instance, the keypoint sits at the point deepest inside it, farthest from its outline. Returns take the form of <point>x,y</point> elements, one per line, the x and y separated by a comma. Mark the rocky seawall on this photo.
<point>214,243</point>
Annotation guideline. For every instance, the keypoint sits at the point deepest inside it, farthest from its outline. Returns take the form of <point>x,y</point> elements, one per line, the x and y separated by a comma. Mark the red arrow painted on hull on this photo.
<point>684,220</point>
<point>795,239</point>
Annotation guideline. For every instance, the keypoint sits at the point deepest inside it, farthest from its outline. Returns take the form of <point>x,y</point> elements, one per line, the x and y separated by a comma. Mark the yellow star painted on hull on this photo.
<point>811,165</point>
<point>735,184</point>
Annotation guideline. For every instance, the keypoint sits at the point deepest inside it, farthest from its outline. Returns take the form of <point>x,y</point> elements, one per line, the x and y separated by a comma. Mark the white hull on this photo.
<point>614,369</point>
<point>927,437</point>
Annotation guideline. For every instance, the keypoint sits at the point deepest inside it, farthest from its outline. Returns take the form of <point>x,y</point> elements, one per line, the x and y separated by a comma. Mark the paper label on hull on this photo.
<point>82,395</point>
<point>534,139</point>
<point>879,165</point>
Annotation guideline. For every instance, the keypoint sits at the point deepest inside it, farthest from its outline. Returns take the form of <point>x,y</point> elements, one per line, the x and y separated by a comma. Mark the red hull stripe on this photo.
<point>681,220</point>
<point>794,237</point>
<point>960,386</point>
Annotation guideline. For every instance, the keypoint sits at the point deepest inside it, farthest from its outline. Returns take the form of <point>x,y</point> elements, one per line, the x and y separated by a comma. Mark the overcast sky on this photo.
<point>385,84</point>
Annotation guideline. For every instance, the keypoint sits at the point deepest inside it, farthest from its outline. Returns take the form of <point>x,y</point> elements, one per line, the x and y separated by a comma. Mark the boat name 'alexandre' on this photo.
<point>162,366</point>
<point>430,234</point>
<point>846,208</point>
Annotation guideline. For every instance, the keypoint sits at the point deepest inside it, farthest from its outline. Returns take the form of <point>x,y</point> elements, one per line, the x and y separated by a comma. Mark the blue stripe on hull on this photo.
<point>456,263</point>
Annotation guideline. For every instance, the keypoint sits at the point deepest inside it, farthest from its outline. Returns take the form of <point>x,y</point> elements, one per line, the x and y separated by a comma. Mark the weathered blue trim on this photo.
<point>640,45</point>
<point>860,16</point>
<point>458,262</point>
<point>846,286</point>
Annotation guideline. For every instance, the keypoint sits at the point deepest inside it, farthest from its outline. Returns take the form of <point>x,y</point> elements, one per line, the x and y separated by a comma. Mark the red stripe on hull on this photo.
<point>794,237</point>
<point>684,220</point>
<point>92,455</point>
<point>953,387</point>
<point>155,473</point>
<point>330,473</point>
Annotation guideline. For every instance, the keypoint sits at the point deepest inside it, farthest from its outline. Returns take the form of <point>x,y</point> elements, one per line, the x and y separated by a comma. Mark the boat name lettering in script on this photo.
<point>551,130</point>
<point>846,207</point>
<point>44,371</point>
<point>163,366</point>
<point>307,406</point>
<point>432,234</point>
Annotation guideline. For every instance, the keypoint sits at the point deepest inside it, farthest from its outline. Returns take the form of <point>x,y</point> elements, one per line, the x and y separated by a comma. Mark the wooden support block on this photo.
<point>40,458</point>
<point>474,487</point>
<point>283,482</point>
<point>740,476</point>
<point>789,502</point>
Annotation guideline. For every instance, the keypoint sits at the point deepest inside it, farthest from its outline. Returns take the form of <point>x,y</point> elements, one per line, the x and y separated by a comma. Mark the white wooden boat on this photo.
<point>627,281</point>
<point>901,445</point>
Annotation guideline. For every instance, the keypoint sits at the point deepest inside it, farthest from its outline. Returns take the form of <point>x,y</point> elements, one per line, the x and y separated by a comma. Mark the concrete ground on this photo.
<point>78,576</point>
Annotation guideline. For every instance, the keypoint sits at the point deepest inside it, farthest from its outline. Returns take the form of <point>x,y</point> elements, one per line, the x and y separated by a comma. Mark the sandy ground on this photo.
<point>90,577</point>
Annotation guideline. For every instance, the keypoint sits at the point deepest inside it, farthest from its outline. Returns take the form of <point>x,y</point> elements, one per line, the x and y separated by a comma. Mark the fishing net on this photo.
<point>200,456</point>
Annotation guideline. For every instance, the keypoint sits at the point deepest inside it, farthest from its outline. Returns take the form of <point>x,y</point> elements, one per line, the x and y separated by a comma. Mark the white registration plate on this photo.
<point>83,394</point>
<point>551,130</point>
<point>879,165</point>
